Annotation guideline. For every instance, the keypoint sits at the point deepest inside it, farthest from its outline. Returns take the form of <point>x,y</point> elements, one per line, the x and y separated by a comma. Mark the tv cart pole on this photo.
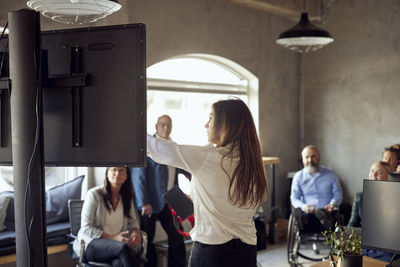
<point>27,138</point>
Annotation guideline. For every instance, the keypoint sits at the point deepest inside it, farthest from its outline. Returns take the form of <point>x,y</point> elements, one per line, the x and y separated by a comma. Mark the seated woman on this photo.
<point>379,171</point>
<point>110,227</point>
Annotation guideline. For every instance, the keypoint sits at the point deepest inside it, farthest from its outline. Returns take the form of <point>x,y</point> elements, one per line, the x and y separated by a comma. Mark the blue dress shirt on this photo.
<point>318,189</point>
<point>149,184</point>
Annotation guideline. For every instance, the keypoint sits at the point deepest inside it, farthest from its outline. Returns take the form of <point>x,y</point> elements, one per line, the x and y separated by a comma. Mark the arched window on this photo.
<point>184,87</point>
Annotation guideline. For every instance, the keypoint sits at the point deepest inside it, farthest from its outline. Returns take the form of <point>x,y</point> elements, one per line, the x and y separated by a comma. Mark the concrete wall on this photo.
<point>242,35</point>
<point>352,89</point>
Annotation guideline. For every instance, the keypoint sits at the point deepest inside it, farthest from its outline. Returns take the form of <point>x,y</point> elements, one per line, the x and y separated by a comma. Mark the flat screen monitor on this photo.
<point>394,177</point>
<point>381,216</point>
<point>110,128</point>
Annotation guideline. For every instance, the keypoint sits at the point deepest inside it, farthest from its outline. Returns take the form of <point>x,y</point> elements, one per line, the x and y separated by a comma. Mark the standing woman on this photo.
<point>109,225</point>
<point>227,185</point>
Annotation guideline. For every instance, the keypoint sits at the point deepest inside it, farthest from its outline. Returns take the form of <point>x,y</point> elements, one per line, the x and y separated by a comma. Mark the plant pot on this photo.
<point>350,261</point>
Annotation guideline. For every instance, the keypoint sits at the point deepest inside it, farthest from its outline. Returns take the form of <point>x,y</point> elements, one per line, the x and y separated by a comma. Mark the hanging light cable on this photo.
<point>304,36</point>
<point>75,11</point>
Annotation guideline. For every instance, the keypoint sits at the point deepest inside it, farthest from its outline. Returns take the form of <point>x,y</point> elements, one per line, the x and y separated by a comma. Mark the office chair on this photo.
<point>75,209</point>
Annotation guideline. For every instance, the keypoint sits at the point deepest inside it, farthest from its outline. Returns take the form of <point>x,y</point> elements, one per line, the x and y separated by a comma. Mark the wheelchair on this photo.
<point>308,244</point>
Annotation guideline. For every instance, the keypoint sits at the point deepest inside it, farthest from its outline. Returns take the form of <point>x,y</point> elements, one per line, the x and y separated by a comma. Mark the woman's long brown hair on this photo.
<point>234,128</point>
<point>126,193</point>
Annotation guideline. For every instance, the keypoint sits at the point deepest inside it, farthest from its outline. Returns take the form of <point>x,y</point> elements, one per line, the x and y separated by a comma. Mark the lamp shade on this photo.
<point>75,11</point>
<point>304,36</point>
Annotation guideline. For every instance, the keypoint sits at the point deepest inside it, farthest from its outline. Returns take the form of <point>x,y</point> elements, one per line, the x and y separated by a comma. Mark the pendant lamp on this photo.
<point>304,36</point>
<point>75,11</point>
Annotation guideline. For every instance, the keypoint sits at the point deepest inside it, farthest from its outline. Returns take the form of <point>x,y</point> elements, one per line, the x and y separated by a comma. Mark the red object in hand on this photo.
<point>178,222</point>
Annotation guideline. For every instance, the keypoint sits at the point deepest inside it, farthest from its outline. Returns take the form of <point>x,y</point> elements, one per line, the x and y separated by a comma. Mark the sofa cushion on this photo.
<point>7,238</point>
<point>57,200</point>
<point>9,221</point>
<point>4,200</point>
<point>57,229</point>
<point>58,233</point>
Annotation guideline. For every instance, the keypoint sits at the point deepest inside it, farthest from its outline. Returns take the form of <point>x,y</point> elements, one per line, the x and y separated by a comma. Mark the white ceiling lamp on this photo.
<point>75,11</point>
<point>304,36</point>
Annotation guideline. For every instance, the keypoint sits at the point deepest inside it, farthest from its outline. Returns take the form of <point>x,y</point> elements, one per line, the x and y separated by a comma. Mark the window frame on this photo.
<point>251,89</point>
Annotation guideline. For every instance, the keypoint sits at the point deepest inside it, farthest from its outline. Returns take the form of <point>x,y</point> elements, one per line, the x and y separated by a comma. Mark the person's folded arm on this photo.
<point>296,195</point>
<point>337,193</point>
<point>355,220</point>
<point>140,186</point>
<point>89,208</point>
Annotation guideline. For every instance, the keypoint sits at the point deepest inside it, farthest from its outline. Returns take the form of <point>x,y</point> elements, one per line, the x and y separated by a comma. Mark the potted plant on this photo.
<point>346,246</point>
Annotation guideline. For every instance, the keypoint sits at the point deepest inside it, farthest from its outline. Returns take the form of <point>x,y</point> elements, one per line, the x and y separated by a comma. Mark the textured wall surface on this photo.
<point>352,89</point>
<point>246,36</point>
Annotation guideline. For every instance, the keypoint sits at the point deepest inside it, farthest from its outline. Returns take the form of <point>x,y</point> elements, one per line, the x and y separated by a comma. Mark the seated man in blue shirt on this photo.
<point>316,192</point>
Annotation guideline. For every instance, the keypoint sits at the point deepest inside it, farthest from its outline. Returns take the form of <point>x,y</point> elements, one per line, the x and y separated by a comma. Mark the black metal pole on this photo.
<point>27,138</point>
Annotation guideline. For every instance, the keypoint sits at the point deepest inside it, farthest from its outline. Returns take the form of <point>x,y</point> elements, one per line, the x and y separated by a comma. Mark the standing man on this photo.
<point>316,192</point>
<point>150,183</point>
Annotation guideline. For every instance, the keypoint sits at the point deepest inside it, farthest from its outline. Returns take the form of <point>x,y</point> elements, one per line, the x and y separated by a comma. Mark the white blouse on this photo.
<point>114,219</point>
<point>217,220</point>
<point>92,220</point>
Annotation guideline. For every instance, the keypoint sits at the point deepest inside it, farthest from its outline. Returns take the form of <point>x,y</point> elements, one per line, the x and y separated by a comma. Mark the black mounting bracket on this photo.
<point>76,80</point>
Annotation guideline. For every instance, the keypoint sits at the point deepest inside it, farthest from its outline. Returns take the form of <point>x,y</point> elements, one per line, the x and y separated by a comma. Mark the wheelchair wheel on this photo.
<point>293,241</point>
<point>313,247</point>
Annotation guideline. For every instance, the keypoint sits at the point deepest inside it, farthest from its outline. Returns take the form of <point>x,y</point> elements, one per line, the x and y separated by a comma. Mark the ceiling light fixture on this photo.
<point>304,36</point>
<point>75,11</point>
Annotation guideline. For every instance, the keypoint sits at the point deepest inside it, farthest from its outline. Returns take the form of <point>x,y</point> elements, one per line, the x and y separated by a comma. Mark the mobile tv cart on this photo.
<point>28,77</point>
<point>27,133</point>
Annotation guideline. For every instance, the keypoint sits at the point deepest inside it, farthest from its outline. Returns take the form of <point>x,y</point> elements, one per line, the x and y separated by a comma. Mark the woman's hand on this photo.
<point>118,237</point>
<point>135,238</point>
<point>329,207</point>
<point>147,210</point>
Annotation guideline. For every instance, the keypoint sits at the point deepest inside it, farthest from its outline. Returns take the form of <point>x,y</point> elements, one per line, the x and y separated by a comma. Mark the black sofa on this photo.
<point>57,220</point>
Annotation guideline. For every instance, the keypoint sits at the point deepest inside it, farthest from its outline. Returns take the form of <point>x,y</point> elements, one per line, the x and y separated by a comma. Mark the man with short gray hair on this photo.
<point>316,191</point>
<point>150,183</point>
